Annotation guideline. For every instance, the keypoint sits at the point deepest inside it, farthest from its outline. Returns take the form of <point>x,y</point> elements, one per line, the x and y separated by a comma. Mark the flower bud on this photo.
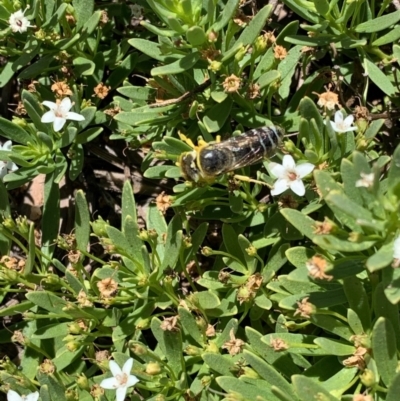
<point>212,36</point>
<point>212,347</point>
<point>138,349</point>
<point>83,382</point>
<point>153,368</point>
<point>193,351</point>
<point>368,378</point>
<point>99,227</point>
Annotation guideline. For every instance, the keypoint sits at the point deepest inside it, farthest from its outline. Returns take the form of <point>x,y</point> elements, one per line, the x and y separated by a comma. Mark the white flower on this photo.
<point>14,396</point>
<point>396,248</point>
<point>18,22</point>
<point>122,379</point>
<point>289,175</point>
<point>137,11</point>
<point>59,113</point>
<point>367,180</point>
<point>341,124</point>
<point>6,166</point>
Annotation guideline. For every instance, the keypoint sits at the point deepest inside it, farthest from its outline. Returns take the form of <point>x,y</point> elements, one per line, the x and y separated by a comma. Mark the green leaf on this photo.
<point>394,389</point>
<point>308,389</point>
<point>123,70</point>
<point>322,6</point>
<point>47,301</point>
<point>151,49</point>
<point>177,67</point>
<point>380,259</point>
<point>83,11</point>
<point>173,243</point>
<point>51,215</point>
<point>196,36</point>
<point>287,68</point>
<point>83,66</point>
<point>394,171</point>
<point>268,373</point>
<point>248,392</point>
<point>5,243</point>
<point>14,132</point>
<point>330,242</point>
<point>335,347</point>
<point>170,343</point>
<point>228,11</point>
<point>77,160</point>
<point>250,33</point>
<point>309,111</point>
<point>384,349</point>
<point>305,224</point>
<point>217,115</point>
<point>332,324</point>
<point>88,135</point>
<point>373,128</point>
<point>30,260</point>
<point>64,357</point>
<point>190,326</point>
<point>205,299</point>
<point>379,23</point>
<point>16,309</point>
<point>222,364</point>
<point>82,221</point>
<point>392,36</point>
<point>307,13</point>
<point>380,79</point>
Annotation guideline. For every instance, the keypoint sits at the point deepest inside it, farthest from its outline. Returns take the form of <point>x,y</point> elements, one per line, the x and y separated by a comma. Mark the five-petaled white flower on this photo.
<point>341,124</point>
<point>122,379</point>
<point>59,113</point>
<point>14,396</point>
<point>6,166</point>
<point>396,248</point>
<point>367,180</point>
<point>289,175</point>
<point>18,22</point>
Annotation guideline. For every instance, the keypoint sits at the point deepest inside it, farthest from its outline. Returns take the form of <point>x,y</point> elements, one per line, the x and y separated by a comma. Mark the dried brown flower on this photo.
<point>253,91</point>
<point>107,287</point>
<point>304,308</point>
<point>163,202</point>
<point>12,263</point>
<point>32,86</point>
<point>210,331</point>
<point>112,112</point>
<point>61,89</point>
<point>316,268</point>
<point>20,109</point>
<point>362,397</point>
<point>170,324</point>
<point>269,38</point>
<point>210,54</point>
<point>101,90</point>
<point>104,17</point>
<point>280,52</point>
<point>96,391</point>
<point>102,356</point>
<point>357,359</point>
<point>70,19</point>
<point>254,282</point>
<point>278,344</point>
<point>234,345</point>
<point>18,337</point>
<point>47,367</point>
<point>74,256</point>
<point>232,84</point>
<point>324,228</point>
<point>328,100</point>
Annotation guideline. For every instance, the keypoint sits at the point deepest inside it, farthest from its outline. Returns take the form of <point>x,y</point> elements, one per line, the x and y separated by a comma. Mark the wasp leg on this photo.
<point>248,179</point>
<point>184,138</point>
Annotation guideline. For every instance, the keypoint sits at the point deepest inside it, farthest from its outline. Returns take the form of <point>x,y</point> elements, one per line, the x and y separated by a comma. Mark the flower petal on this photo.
<point>32,396</point>
<point>288,162</point>
<point>334,126</point>
<point>132,380</point>
<point>115,369</point>
<point>349,120</point>
<point>280,186</point>
<point>304,169</point>
<point>50,105</point>
<point>121,393</point>
<point>277,170</point>
<point>396,250</point>
<point>338,117</point>
<point>48,117</point>
<point>66,104</point>
<point>109,384</point>
<point>58,123</point>
<point>297,187</point>
<point>3,169</point>
<point>13,396</point>
<point>6,145</point>
<point>74,116</point>
<point>128,366</point>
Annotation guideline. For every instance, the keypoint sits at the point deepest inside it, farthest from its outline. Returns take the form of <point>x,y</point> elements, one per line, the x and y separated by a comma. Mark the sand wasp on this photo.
<point>209,160</point>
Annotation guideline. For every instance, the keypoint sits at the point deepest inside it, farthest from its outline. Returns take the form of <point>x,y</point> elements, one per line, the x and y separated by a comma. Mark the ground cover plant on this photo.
<point>146,270</point>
